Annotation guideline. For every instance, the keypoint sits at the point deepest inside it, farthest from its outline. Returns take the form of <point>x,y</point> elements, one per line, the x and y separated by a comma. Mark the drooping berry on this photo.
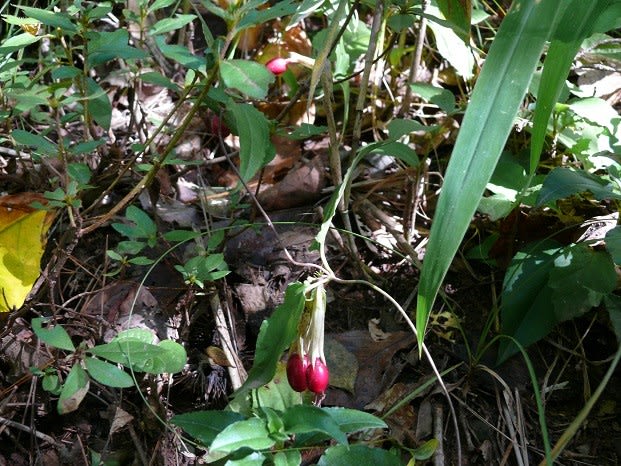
<point>296,372</point>
<point>317,377</point>
<point>218,127</point>
<point>277,65</point>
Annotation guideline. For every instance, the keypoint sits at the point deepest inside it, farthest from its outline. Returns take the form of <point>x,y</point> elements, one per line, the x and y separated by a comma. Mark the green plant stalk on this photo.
<point>568,434</point>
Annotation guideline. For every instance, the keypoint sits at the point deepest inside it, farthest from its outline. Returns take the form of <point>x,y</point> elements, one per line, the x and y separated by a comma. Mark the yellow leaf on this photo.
<point>23,232</point>
<point>31,28</point>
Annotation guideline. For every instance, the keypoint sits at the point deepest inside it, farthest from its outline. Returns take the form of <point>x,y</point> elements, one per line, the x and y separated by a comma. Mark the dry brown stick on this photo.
<point>148,178</point>
<point>236,370</point>
<point>32,431</point>
<point>418,53</point>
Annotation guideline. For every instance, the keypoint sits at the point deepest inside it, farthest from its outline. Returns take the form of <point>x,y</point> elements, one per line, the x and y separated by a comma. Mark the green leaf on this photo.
<point>174,358</point>
<point>171,24</point>
<point>55,336</point>
<point>98,104</point>
<point>609,19</point>
<point>74,390</point>
<point>204,426</point>
<point>458,13</point>
<point>276,394</point>
<point>574,27</point>
<point>250,433</point>
<point>400,127</point>
<point>50,18</point>
<point>141,226</point>
<point>179,236</point>
<point>252,459</point>
<point>168,356</point>
<point>613,306</point>
<point>51,383</point>
<point>159,4</point>
<point>564,182</point>
<point>495,101</point>
<point>153,77</point>
<point>140,334</point>
<point>613,244</point>
<point>79,172</point>
<point>37,141</point>
<point>546,285</point>
<point>352,420</point>
<point>597,111</point>
<point>108,374</point>
<point>305,131</point>
<point>86,147</point>
<point>275,335</point>
<point>452,46</point>
<point>247,76</point>
<point>287,458</point>
<point>439,96</point>
<point>348,420</point>
<point>105,46</point>
<point>426,450</point>
<point>18,42</point>
<point>302,419</point>
<point>394,149</point>
<point>256,149</point>
<point>180,54</point>
<point>252,16</point>
<point>356,455</point>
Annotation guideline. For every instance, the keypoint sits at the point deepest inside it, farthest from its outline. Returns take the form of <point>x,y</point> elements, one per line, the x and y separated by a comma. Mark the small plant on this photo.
<point>132,349</point>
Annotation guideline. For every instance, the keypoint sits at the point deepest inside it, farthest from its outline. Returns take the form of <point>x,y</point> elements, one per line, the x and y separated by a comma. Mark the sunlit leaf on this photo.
<point>458,13</point>
<point>250,433</point>
<point>495,101</point>
<point>547,284</point>
<point>564,182</point>
<point>23,232</point>
<point>248,77</point>
<point>256,149</point>
<point>108,374</point>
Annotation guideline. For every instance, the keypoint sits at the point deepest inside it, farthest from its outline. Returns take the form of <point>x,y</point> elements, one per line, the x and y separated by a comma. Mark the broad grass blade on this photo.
<point>500,88</point>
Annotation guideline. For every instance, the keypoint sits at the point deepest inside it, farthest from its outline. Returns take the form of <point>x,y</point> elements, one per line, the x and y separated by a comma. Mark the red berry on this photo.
<point>277,65</point>
<point>296,372</point>
<point>317,377</point>
<point>219,127</point>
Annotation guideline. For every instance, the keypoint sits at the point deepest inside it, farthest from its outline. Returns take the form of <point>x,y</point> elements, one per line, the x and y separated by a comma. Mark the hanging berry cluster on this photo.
<point>306,367</point>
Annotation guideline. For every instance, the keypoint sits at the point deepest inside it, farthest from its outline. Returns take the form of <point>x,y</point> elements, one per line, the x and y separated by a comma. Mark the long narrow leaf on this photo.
<point>575,26</point>
<point>496,98</point>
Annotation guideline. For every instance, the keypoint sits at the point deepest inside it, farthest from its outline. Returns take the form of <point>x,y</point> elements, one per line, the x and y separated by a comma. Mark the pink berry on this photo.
<point>317,377</point>
<point>277,65</point>
<point>296,371</point>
